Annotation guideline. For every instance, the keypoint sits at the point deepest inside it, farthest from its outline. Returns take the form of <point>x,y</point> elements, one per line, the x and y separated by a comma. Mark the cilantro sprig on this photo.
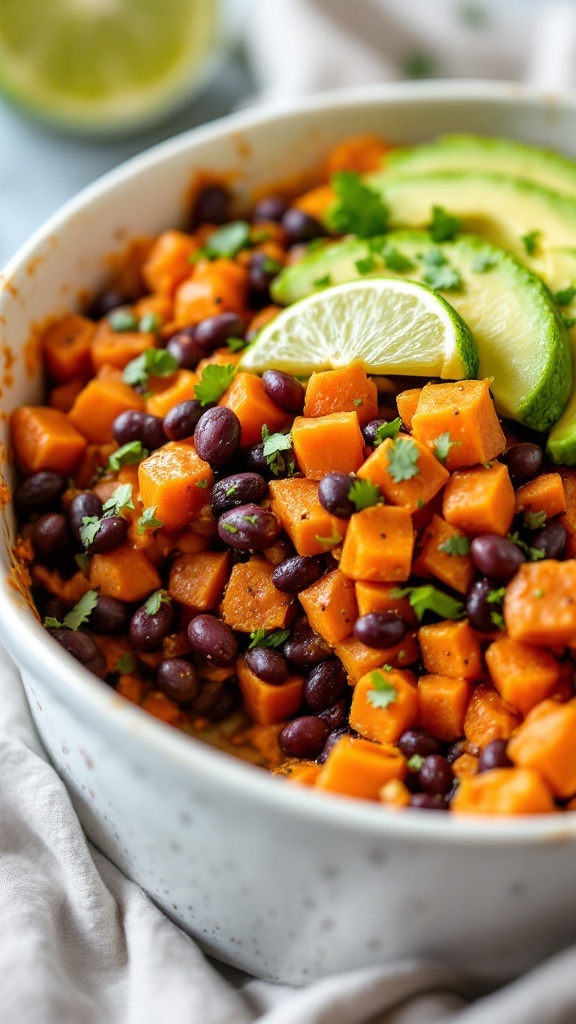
<point>158,598</point>
<point>383,692</point>
<point>444,226</point>
<point>442,445</point>
<point>364,494</point>
<point>387,429</point>
<point>119,500</point>
<point>154,362</point>
<point>215,380</point>
<point>532,554</point>
<point>534,520</point>
<point>530,241</point>
<point>428,599</point>
<point>455,545</point>
<point>358,210</point>
<point>77,616</point>
<point>148,520</point>
<point>565,295</point>
<point>403,457</point>
<point>273,447</point>
<point>438,273</point>
<point>127,455</point>
<point>268,638</point>
<point>225,243</point>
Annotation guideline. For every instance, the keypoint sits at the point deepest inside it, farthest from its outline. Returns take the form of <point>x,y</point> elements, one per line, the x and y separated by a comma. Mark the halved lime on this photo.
<point>390,326</point>
<point>101,64</point>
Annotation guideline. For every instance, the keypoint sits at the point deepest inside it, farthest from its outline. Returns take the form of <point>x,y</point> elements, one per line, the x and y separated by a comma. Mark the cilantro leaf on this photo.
<point>415,762</point>
<point>395,260</point>
<point>156,599</point>
<point>215,380</point>
<point>363,494</point>
<point>125,664</point>
<point>150,323</point>
<point>568,321</point>
<point>443,278</point>
<point>534,520</point>
<point>496,596</point>
<point>358,210</point>
<point>455,545</point>
<point>323,282</point>
<point>89,529</point>
<point>387,429</point>
<point>483,262</point>
<point>565,295</point>
<point>442,445</point>
<point>154,362</point>
<point>120,499</point>
<point>122,320</point>
<point>530,241</point>
<point>266,638</point>
<point>273,446</point>
<point>383,692</point>
<point>365,265</point>
<point>236,344</point>
<point>230,528</point>
<point>148,521</point>
<point>428,599</point>
<point>81,611</point>
<point>329,541</point>
<point>444,226</point>
<point>403,457</point>
<point>128,455</point>
<point>532,554</point>
<point>228,240</point>
<point>497,620</point>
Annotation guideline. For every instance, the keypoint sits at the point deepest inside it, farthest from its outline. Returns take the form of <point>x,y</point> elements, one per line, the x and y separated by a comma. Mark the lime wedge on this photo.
<point>390,326</point>
<point>102,64</point>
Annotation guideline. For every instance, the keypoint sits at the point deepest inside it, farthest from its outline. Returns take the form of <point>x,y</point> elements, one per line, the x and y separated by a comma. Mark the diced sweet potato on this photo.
<point>98,405</point>
<point>310,527</point>
<point>358,659</point>
<point>480,500</point>
<point>124,573</point>
<point>44,438</point>
<point>347,389</point>
<point>216,286</point>
<point>159,705</point>
<point>540,603</point>
<point>248,399</point>
<point>179,388</point>
<point>407,403</point>
<point>198,580</point>
<point>378,597</point>
<point>66,348</point>
<point>451,649</point>
<point>543,494</point>
<point>524,675</point>
<point>568,520</point>
<point>174,480</point>
<point>416,491</point>
<point>118,348</point>
<point>251,601</point>
<point>503,791</point>
<point>328,444</point>
<point>466,412</point>
<point>360,153</point>
<point>384,705</point>
<point>168,262</point>
<point>488,717</point>
<point>265,703</point>
<point>546,742</point>
<point>379,544</point>
<point>356,767</point>
<point>465,765</point>
<point>330,605</point>
<point>63,396</point>
<point>442,705</point>
<point>316,201</point>
<point>457,571</point>
<point>303,773</point>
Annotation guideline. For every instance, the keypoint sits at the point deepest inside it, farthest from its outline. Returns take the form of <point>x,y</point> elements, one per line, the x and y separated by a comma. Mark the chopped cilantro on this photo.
<point>266,638</point>
<point>365,265</point>
<point>323,282</point>
<point>532,554</point>
<point>156,599</point>
<point>455,545</point>
<point>77,616</point>
<point>442,445</point>
<point>383,692</point>
<point>403,457</point>
<point>250,519</point>
<point>443,278</point>
<point>358,210</point>
<point>329,541</point>
<point>387,429</point>
<point>428,599</point>
<point>565,295</point>
<point>154,362</point>
<point>228,240</point>
<point>444,226</point>
<point>122,320</point>
<point>150,323</point>
<point>485,465</point>
<point>357,401</point>
<point>534,520</point>
<point>274,445</point>
<point>415,762</point>
<point>230,528</point>
<point>120,499</point>
<point>538,592</point>
<point>231,490</point>
<point>483,262</point>
<point>363,494</point>
<point>128,455</point>
<point>433,257</point>
<point>530,241</point>
<point>236,344</point>
<point>125,664</point>
<point>203,484</point>
<point>395,260</point>
<point>215,380</point>
<point>148,521</point>
<point>89,529</point>
<point>496,596</point>
<point>497,620</point>
<point>568,321</point>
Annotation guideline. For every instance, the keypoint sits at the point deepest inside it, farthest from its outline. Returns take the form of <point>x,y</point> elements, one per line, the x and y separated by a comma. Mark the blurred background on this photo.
<point>85,84</point>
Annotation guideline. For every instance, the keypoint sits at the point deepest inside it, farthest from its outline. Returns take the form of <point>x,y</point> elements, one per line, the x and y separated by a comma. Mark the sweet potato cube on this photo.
<point>174,480</point>
<point>568,520</point>
<point>378,597</point>
<point>310,527</point>
<point>168,262</point>
<point>413,493</point>
<point>465,765</point>
<point>63,396</point>
<point>466,412</point>
<point>488,717</point>
<point>384,705</point>
<point>330,605</point>
<point>328,444</point>
<point>303,773</point>
<point>44,438</point>
<point>216,286</point>
<point>503,791</point>
<point>66,347</point>
<point>98,405</point>
<point>358,659</point>
<point>480,500</point>
<point>219,357</point>
<point>442,705</point>
<point>198,580</point>
<point>124,573</point>
<point>450,649</point>
<point>248,399</point>
<point>356,767</point>
<point>379,544</point>
<point>251,601</point>
<point>457,571</point>
<point>543,494</point>
<point>524,675</point>
<point>546,741</point>
<point>265,703</point>
<point>360,153</point>
<point>540,603</point>
<point>118,348</point>
<point>407,402</point>
<point>347,389</point>
<point>179,388</point>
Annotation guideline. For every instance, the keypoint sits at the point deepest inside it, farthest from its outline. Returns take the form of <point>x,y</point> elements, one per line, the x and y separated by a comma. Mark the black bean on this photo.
<point>225,700</point>
<point>238,489</point>
<point>304,647</point>
<point>84,505</point>
<point>325,684</point>
<point>82,647</point>
<point>213,639</point>
<point>153,435</point>
<point>478,608</point>
<point>50,537</point>
<point>418,741</point>
<point>523,461</point>
<point>284,390</point>
<point>105,302</point>
<point>217,436</point>
<point>267,664</point>
<point>178,679</point>
<point>494,756</point>
<point>214,331</point>
<point>496,557</point>
<point>40,492</point>
<point>336,715</point>
<point>270,208</point>
<point>147,631</point>
<point>248,528</point>
<point>261,272</point>
<point>551,540</point>
<point>212,206</point>
<point>255,460</point>
<point>425,802</point>
<point>128,426</point>
<point>435,776</point>
<point>336,734</point>
<point>297,573</point>
<point>303,737</point>
<point>186,350</point>
<point>112,531</point>
<point>333,491</point>
<point>109,616</point>
<point>369,431</point>
<point>300,227</point>
<point>380,629</point>
<point>181,420</point>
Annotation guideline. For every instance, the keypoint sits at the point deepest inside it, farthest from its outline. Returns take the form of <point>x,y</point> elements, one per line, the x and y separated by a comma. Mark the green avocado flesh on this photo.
<point>521,340</point>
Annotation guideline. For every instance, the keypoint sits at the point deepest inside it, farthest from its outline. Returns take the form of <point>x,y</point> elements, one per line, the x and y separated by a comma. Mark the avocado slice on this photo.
<point>507,308</point>
<point>485,153</point>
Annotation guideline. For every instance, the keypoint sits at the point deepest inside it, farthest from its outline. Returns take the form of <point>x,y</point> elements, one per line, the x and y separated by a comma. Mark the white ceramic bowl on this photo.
<point>286,883</point>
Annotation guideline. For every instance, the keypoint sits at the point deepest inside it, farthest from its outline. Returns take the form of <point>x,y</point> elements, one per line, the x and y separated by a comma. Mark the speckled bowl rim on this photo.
<point>36,653</point>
